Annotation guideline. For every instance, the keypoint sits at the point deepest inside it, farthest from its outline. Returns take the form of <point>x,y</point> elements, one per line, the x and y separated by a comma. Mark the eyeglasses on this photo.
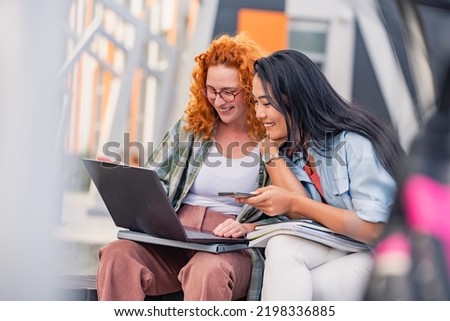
<point>226,95</point>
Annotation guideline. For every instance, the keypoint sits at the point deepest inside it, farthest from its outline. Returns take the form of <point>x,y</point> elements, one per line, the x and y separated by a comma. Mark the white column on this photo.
<point>30,171</point>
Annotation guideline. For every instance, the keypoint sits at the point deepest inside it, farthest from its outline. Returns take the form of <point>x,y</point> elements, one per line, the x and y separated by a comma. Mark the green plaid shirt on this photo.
<point>177,161</point>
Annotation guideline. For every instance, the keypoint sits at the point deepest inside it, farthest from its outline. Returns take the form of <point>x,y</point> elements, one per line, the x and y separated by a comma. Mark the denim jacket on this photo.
<point>351,176</point>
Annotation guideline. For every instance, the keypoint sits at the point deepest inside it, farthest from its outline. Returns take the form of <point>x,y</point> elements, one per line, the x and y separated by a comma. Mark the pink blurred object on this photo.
<point>427,208</point>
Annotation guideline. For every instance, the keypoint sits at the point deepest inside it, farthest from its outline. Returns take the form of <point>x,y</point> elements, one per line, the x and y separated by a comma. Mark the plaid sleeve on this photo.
<point>161,158</point>
<point>171,158</point>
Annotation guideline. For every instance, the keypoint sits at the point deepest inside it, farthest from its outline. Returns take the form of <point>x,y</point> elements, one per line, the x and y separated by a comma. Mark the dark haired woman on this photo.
<point>329,161</point>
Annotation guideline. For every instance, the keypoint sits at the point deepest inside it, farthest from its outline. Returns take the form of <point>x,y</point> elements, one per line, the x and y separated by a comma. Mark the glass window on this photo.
<point>309,37</point>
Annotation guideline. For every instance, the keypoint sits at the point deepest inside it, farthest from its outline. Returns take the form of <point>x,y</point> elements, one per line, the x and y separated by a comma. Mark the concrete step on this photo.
<point>80,235</point>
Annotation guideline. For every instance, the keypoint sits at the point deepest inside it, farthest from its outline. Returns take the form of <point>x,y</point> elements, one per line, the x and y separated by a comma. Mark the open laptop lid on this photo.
<point>136,200</point>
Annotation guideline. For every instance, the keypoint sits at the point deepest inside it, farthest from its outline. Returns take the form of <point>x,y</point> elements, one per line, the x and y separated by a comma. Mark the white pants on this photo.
<point>299,269</point>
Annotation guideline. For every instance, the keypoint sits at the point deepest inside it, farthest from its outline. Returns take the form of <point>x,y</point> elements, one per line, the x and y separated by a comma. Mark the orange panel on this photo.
<point>268,28</point>
<point>92,145</point>
<point>135,104</point>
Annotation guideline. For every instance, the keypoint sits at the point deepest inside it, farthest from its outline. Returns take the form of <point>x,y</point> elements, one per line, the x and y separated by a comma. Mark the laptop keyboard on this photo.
<point>201,235</point>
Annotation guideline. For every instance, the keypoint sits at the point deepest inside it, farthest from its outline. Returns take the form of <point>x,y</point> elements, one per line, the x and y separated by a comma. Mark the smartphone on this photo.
<point>236,194</point>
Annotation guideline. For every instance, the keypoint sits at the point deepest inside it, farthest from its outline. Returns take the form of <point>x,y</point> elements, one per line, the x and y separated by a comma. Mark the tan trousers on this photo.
<point>130,270</point>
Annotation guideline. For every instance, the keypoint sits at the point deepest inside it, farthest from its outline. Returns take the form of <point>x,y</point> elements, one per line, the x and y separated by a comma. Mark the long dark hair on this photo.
<point>313,109</point>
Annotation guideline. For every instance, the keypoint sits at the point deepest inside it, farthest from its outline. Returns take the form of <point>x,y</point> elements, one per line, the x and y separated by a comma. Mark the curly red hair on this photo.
<point>237,51</point>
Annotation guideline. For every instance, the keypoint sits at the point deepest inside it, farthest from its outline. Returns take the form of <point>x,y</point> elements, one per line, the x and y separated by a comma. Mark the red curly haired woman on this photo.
<point>213,148</point>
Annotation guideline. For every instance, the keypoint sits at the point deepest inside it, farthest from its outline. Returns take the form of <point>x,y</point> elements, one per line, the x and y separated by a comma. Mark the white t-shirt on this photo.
<point>221,174</point>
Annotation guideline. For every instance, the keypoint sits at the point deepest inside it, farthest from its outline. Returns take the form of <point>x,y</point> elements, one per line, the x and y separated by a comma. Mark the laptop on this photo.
<point>137,201</point>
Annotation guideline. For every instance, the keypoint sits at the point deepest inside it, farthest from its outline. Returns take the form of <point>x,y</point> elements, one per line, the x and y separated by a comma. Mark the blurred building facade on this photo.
<point>126,70</point>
